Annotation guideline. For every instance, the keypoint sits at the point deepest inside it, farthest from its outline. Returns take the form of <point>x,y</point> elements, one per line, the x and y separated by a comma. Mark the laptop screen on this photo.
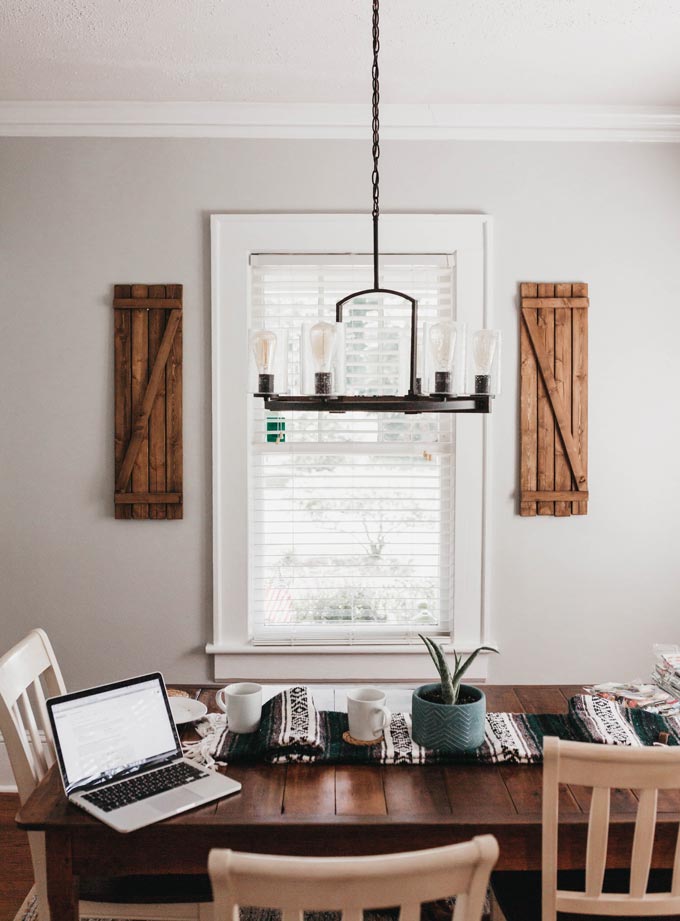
<point>112,730</point>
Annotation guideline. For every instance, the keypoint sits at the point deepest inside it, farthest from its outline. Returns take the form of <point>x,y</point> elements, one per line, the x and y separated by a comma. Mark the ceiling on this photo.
<point>607,52</point>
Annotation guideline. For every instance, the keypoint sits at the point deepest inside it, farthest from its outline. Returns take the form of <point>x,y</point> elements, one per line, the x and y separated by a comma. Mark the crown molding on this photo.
<point>340,121</point>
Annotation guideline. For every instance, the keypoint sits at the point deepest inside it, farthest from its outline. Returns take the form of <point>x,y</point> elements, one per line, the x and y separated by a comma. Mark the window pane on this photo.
<point>351,538</point>
<point>351,514</point>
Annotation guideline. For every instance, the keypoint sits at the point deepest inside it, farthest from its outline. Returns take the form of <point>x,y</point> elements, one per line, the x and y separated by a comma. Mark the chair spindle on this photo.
<point>643,843</point>
<point>598,837</point>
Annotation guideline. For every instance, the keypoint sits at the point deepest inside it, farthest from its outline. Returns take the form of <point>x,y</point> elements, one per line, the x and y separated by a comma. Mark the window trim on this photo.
<point>234,238</point>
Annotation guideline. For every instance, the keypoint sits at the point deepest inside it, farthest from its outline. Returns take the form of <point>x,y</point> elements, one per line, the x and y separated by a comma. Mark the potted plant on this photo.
<point>447,715</point>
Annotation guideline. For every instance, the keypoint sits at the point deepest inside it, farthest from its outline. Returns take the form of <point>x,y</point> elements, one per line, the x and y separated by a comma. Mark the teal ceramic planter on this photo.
<point>449,727</point>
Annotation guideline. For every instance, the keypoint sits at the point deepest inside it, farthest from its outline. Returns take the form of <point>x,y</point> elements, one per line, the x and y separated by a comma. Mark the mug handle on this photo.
<point>220,701</point>
<point>387,716</point>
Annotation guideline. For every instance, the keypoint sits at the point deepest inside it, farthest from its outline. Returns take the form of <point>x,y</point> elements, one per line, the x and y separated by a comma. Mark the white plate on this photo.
<point>186,710</point>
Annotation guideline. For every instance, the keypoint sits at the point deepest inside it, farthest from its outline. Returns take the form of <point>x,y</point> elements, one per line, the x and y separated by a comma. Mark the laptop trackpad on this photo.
<point>173,799</point>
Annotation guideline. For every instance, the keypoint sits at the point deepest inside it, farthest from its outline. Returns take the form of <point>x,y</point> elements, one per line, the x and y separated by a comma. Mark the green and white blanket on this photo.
<point>293,730</point>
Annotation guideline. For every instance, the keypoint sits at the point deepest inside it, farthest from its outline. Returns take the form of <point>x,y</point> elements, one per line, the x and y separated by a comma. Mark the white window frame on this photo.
<point>234,238</point>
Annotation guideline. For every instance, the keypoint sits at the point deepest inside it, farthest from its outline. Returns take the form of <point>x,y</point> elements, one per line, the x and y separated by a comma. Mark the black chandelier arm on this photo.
<point>410,404</point>
<point>350,297</point>
<point>414,324</point>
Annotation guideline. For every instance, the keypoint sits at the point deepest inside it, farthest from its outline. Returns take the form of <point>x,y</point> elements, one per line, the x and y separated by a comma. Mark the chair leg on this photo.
<point>36,840</point>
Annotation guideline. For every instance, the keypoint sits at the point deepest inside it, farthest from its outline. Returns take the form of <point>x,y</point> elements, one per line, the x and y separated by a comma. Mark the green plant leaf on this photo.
<point>442,666</point>
<point>461,669</point>
<point>429,645</point>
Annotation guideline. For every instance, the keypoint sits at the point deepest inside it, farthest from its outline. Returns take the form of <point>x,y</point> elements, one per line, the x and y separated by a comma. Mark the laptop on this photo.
<point>120,757</point>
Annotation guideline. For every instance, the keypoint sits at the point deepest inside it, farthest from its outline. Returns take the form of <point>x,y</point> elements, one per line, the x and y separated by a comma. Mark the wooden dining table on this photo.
<point>326,810</point>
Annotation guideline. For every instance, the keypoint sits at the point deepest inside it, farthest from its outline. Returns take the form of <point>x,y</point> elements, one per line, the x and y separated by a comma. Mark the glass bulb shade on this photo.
<point>323,340</point>
<point>263,342</point>
<point>443,344</point>
<point>484,347</point>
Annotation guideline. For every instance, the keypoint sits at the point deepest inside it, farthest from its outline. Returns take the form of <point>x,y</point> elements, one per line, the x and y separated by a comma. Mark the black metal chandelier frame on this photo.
<point>414,401</point>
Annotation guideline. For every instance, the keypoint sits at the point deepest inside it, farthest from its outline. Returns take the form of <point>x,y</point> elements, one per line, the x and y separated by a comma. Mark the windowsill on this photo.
<point>293,649</point>
<point>337,664</point>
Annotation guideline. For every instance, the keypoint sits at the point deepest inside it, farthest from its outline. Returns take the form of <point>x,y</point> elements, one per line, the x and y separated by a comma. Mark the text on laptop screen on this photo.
<point>107,733</point>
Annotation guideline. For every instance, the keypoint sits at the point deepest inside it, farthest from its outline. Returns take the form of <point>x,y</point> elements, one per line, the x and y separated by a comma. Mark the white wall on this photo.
<point>573,599</point>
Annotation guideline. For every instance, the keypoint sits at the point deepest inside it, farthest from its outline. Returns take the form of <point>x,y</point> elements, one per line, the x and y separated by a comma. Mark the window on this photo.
<point>279,607</point>
<point>351,515</point>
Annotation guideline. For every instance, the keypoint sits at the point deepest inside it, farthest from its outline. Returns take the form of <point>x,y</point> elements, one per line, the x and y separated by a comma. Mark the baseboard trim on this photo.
<point>7,782</point>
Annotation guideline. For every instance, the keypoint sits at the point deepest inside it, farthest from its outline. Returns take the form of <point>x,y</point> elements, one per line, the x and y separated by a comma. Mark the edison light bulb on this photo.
<point>485,344</point>
<point>442,347</point>
<point>264,348</point>
<point>323,338</point>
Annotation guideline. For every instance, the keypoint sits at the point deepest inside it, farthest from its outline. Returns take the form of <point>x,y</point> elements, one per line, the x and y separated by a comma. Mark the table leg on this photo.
<point>62,885</point>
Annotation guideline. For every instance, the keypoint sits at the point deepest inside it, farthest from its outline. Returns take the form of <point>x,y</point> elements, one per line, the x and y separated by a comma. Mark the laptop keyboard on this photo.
<point>143,786</point>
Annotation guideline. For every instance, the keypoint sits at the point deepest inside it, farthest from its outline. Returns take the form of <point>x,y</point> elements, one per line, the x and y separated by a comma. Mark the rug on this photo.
<point>293,730</point>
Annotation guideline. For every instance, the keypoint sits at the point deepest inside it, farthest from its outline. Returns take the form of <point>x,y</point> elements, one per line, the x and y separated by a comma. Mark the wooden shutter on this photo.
<point>554,399</point>
<point>148,400</point>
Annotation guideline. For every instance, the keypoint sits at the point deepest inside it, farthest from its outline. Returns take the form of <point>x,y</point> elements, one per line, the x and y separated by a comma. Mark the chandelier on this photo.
<point>322,343</point>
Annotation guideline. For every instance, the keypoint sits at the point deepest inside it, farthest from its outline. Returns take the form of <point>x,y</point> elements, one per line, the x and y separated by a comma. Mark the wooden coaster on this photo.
<point>350,741</point>
<point>175,692</point>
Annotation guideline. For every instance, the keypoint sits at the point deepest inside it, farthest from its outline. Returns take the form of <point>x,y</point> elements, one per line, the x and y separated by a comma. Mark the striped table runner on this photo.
<point>293,730</point>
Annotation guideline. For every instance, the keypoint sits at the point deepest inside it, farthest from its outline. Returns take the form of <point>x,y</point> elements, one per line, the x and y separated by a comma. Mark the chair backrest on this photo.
<point>350,884</point>
<point>604,768</point>
<point>29,673</point>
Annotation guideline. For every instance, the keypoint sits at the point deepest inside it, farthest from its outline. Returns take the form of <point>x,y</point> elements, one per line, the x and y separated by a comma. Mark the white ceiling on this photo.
<point>609,52</point>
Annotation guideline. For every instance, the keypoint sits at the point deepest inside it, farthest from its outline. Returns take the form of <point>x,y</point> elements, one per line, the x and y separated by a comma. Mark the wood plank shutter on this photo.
<point>148,401</point>
<point>554,399</point>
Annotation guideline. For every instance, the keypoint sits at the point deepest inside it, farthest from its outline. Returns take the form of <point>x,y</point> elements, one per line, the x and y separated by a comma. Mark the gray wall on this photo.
<point>574,599</point>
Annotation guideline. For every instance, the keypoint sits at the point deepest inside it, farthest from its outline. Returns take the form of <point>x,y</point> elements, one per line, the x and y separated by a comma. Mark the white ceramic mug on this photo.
<point>242,703</point>
<point>367,714</point>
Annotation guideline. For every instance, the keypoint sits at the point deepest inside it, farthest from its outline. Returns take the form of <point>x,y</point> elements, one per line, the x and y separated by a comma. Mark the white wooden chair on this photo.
<point>29,673</point>
<point>602,768</point>
<point>351,884</point>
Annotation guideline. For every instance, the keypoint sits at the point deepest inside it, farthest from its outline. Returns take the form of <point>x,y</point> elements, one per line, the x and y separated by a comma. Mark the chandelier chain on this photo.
<point>375,73</point>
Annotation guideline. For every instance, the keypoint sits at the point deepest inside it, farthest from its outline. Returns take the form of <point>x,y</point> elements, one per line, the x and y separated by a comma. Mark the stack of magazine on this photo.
<point>667,670</point>
<point>661,696</point>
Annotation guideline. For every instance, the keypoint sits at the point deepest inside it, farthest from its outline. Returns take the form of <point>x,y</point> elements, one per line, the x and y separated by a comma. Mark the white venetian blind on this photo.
<point>351,535</point>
